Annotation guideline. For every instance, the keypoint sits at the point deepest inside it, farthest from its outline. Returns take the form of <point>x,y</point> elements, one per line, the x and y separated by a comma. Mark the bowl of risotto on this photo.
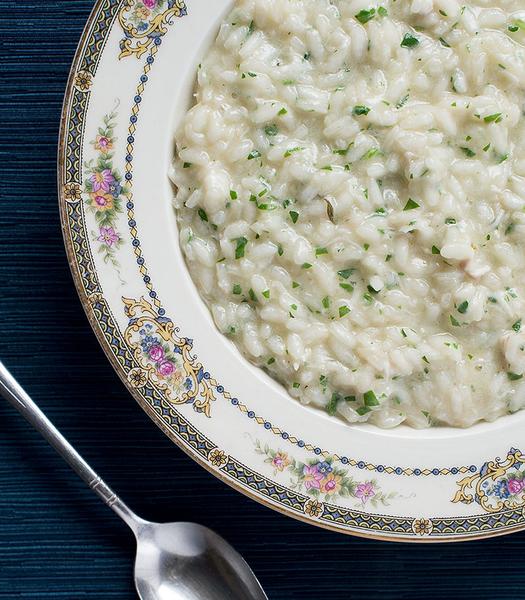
<point>298,230</point>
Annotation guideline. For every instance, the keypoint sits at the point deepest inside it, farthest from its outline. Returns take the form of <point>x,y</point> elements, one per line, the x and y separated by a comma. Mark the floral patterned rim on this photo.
<point>159,365</point>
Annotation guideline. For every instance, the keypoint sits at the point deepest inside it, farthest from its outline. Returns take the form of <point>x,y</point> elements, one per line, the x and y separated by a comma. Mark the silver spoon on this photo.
<point>175,561</point>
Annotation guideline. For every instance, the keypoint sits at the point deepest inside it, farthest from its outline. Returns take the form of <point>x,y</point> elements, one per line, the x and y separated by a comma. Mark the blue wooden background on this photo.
<point>57,541</point>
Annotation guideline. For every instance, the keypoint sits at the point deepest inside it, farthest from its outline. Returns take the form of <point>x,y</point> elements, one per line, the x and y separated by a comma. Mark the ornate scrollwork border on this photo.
<point>165,358</point>
<point>499,484</point>
<point>144,22</point>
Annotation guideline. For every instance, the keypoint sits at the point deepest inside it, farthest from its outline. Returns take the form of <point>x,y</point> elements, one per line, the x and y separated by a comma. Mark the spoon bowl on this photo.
<point>186,561</point>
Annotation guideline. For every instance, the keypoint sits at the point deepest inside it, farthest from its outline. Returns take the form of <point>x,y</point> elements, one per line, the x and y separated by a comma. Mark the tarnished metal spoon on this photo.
<point>175,561</point>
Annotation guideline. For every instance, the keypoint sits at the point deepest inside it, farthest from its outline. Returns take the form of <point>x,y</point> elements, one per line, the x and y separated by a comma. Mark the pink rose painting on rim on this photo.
<point>323,479</point>
<point>105,192</point>
<point>167,363</point>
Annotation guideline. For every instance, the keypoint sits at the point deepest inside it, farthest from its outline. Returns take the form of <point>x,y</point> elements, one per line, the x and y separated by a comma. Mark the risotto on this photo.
<point>351,202</point>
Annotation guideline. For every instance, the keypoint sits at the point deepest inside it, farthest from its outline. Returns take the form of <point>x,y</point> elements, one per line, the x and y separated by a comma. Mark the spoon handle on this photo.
<point>11,390</point>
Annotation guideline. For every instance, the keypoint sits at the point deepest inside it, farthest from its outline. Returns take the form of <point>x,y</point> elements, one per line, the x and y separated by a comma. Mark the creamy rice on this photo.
<point>351,202</point>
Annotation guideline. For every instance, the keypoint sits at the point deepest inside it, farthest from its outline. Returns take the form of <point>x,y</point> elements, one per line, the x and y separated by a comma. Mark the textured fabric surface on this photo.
<point>57,541</point>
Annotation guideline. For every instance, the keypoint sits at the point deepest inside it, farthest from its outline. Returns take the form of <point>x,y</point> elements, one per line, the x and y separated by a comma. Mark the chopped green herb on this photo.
<point>266,294</point>
<point>292,151</point>
<point>202,214</point>
<point>331,407</point>
<point>271,130</point>
<point>495,118</point>
<point>321,251</point>
<point>368,299</point>
<point>463,307</point>
<point>347,287</point>
<point>294,216</point>
<point>237,290</point>
<point>436,250</point>
<point>254,154</point>
<point>361,110</point>
<point>371,153</point>
<point>345,273</point>
<point>470,153</point>
<point>411,205</point>
<point>514,376</point>
<point>403,101</point>
<point>454,322</point>
<point>240,248</point>
<point>517,25</point>
<point>517,326</point>
<point>186,165</point>
<point>343,311</point>
<point>370,399</point>
<point>233,195</point>
<point>510,228</point>
<point>306,266</point>
<point>326,302</point>
<point>343,151</point>
<point>363,16</point>
<point>252,295</point>
<point>409,41</point>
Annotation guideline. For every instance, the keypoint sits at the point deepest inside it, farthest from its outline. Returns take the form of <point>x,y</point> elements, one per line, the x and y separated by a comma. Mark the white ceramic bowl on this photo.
<point>130,85</point>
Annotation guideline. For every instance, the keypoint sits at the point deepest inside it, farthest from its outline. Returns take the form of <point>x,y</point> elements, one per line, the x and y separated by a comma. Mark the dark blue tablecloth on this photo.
<point>57,540</point>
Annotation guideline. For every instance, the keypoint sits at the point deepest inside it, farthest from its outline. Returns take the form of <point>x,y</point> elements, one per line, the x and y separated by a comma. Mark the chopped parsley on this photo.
<point>370,399</point>
<point>409,41</point>
<point>463,307</point>
<point>411,205</point>
<point>240,247</point>
<point>361,110</point>
<point>291,151</point>
<point>495,118</point>
<point>343,311</point>
<point>365,15</point>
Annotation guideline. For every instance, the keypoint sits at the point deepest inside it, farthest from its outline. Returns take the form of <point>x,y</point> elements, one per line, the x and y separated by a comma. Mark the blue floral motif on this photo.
<point>324,467</point>
<point>501,490</point>
<point>115,189</point>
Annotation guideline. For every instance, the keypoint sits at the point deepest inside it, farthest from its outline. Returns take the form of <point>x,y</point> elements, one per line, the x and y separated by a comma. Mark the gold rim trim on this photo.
<point>84,300</point>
